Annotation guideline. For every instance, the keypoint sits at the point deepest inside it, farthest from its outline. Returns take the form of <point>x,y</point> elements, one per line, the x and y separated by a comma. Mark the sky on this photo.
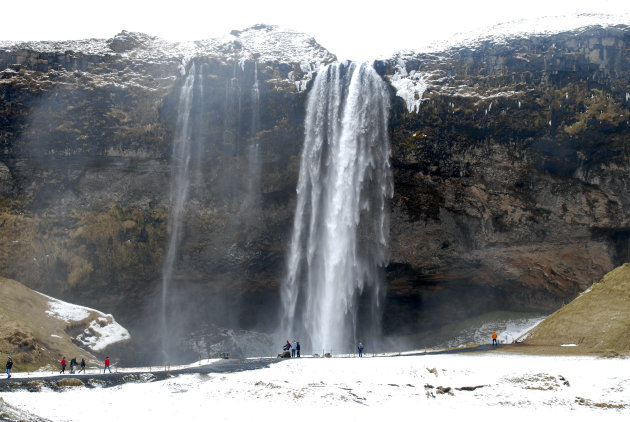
<point>350,29</point>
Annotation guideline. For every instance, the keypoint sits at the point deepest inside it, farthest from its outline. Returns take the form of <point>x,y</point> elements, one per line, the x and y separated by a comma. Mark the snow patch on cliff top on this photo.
<point>102,330</point>
<point>410,85</point>
<point>261,43</point>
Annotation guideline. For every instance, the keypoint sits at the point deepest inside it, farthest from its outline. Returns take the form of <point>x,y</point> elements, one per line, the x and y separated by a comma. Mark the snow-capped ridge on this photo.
<point>411,84</point>
<point>261,43</point>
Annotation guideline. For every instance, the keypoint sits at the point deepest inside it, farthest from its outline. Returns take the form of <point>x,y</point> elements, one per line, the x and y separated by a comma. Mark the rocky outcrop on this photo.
<point>510,165</point>
<point>510,161</point>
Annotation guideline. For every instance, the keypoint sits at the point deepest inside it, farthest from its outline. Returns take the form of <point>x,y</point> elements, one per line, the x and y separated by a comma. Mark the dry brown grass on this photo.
<point>597,321</point>
<point>70,382</point>
<point>31,336</point>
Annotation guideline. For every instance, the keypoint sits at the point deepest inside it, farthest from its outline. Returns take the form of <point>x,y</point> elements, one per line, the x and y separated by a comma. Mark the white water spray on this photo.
<point>331,292</point>
<point>252,199</point>
<point>180,186</point>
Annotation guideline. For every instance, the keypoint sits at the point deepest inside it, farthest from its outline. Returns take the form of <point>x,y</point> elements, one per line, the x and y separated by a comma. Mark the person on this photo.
<point>9,366</point>
<point>293,346</point>
<point>287,346</point>
<point>73,364</point>
<point>494,338</point>
<point>63,365</point>
<point>107,365</point>
<point>297,349</point>
<point>82,366</point>
<point>360,348</point>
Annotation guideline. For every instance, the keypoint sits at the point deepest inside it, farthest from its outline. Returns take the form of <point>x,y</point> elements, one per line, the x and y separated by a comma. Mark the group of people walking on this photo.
<point>74,364</point>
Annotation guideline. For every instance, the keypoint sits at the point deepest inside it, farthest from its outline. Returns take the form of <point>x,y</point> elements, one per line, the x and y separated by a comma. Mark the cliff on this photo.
<point>510,164</point>
<point>509,158</point>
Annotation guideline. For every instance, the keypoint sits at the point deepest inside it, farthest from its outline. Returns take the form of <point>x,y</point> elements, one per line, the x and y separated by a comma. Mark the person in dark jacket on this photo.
<point>63,365</point>
<point>287,346</point>
<point>297,349</point>
<point>360,349</point>
<point>9,366</point>
<point>82,366</point>
<point>73,364</point>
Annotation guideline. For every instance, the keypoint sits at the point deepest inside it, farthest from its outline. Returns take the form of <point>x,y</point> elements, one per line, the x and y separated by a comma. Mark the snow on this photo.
<point>261,43</point>
<point>102,331</point>
<point>66,311</point>
<point>369,388</point>
<point>411,86</point>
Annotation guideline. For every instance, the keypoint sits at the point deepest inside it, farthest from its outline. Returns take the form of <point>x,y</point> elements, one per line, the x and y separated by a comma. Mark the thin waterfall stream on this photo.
<point>179,190</point>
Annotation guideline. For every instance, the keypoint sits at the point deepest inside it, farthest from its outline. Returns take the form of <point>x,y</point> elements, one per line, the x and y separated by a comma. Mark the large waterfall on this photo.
<point>332,290</point>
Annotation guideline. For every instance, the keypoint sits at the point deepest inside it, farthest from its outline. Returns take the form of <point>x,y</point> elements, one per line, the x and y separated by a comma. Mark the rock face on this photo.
<point>510,165</point>
<point>510,179</point>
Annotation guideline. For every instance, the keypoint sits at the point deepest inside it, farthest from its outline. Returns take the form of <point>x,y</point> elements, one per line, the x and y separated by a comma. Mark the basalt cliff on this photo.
<point>510,161</point>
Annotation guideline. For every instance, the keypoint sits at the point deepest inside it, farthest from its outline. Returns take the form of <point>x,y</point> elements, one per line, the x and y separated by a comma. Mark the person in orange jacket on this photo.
<point>107,365</point>
<point>63,365</point>
<point>494,338</point>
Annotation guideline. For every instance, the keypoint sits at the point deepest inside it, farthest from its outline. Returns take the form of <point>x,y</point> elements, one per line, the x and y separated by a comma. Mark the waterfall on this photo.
<point>332,289</point>
<point>251,201</point>
<point>183,150</point>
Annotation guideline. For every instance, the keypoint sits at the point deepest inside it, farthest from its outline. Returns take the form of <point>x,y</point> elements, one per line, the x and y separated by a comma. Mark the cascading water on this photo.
<point>331,292</point>
<point>252,198</point>
<point>183,148</point>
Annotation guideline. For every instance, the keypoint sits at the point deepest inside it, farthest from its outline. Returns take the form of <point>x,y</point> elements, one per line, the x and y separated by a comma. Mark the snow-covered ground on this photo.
<point>462,386</point>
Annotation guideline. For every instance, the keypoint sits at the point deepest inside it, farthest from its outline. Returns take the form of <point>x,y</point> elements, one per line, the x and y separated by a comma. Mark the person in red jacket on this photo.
<point>63,365</point>
<point>107,365</point>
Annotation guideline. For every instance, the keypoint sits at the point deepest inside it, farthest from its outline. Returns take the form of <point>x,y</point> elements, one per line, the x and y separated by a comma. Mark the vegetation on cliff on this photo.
<point>597,320</point>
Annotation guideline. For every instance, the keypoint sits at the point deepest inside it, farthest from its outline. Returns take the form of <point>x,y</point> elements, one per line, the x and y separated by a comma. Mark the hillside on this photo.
<point>597,320</point>
<point>37,330</point>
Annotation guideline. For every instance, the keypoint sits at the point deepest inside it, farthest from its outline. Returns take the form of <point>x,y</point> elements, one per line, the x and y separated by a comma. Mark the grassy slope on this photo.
<point>32,337</point>
<point>597,321</point>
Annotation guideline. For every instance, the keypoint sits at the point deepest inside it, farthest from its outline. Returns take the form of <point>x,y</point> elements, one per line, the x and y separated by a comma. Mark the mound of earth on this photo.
<point>37,330</point>
<point>596,321</point>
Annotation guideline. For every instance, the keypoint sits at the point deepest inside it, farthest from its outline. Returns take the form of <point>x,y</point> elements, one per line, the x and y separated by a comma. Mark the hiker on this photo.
<point>73,364</point>
<point>293,346</point>
<point>297,349</point>
<point>82,366</point>
<point>287,346</point>
<point>494,338</point>
<point>9,366</point>
<point>107,365</point>
<point>63,365</point>
<point>360,348</point>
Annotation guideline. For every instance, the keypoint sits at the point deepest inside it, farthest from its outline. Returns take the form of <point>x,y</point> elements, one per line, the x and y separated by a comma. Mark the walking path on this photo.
<point>35,381</point>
